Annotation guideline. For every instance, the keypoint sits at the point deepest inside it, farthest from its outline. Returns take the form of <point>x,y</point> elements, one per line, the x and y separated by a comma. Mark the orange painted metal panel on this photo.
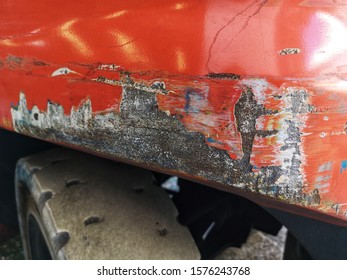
<point>251,95</point>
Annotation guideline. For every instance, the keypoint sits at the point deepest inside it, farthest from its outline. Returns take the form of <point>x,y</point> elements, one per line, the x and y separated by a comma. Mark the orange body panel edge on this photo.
<point>246,96</point>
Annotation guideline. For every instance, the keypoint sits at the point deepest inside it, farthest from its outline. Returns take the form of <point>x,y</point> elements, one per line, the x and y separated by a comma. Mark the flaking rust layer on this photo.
<point>143,133</point>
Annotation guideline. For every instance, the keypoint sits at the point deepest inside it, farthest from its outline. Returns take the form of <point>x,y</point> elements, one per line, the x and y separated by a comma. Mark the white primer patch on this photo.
<point>62,71</point>
<point>259,86</point>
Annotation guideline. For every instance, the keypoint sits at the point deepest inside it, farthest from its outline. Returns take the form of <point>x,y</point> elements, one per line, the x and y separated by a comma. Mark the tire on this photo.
<point>77,206</point>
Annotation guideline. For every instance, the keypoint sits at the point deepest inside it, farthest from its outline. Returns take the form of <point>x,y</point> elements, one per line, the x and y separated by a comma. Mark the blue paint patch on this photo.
<point>211,140</point>
<point>343,166</point>
<point>193,98</point>
<point>187,98</point>
<point>274,189</point>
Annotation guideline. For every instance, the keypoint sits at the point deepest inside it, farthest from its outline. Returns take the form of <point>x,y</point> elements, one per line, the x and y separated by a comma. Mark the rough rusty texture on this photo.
<point>224,76</point>
<point>142,133</point>
<point>288,51</point>
<point>235,115</point>
<point>296,106</point>
<point>247,111</point>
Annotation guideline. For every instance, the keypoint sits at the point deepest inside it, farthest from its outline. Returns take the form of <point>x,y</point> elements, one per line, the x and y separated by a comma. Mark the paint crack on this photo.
<point>230,22</point>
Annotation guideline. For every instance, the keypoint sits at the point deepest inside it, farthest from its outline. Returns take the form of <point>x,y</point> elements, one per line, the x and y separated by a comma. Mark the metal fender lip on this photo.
<point>230,95</point>
<point>268,157</point>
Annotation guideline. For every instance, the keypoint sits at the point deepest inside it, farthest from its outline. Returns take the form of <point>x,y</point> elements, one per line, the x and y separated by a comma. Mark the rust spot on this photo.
<point>141,132</point>
<point>247,110</point>
<point>127,82</point>
<point>288,51</point>
<point>14,62</point>
<point>39,63</point>
<point>224,76</point>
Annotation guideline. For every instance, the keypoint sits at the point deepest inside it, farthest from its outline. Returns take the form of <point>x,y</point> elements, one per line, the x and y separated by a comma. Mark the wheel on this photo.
<point>77,206</point>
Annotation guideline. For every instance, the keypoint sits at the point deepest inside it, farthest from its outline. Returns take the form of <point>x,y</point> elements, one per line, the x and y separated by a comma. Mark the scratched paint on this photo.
<point>257,135</point>
<point>137,131</point>
<point>205,102</point>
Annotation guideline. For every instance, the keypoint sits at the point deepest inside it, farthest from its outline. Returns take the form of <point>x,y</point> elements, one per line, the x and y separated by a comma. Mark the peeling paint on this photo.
<point>288,51</point>
<point>155,87</point>
<point>290,154</point>
<point>270,120</point>
<point>108,67</point>
<point>142,132</point>
<point>131,134</point>
<point>224,76</point>
<point>325,167</point>
<point>62,71</point>
<point>13,61</point>
<point>247,133</point>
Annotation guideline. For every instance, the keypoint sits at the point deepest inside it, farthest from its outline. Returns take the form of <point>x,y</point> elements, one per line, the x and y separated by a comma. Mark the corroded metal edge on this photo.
<point>142,133</point>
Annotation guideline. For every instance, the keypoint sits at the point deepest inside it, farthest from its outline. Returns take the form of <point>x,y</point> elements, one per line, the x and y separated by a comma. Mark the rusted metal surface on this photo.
<point>237,97</point>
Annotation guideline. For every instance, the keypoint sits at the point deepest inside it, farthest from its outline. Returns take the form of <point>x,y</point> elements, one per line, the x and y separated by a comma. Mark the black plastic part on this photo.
<point>38,246</point>
<point>321,240</point>
<point>294,250</point>
<point>13,146</point>
<point>218,219</point>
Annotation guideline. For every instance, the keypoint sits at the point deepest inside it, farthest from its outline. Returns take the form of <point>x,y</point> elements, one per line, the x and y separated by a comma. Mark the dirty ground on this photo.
<point>260,246</point>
